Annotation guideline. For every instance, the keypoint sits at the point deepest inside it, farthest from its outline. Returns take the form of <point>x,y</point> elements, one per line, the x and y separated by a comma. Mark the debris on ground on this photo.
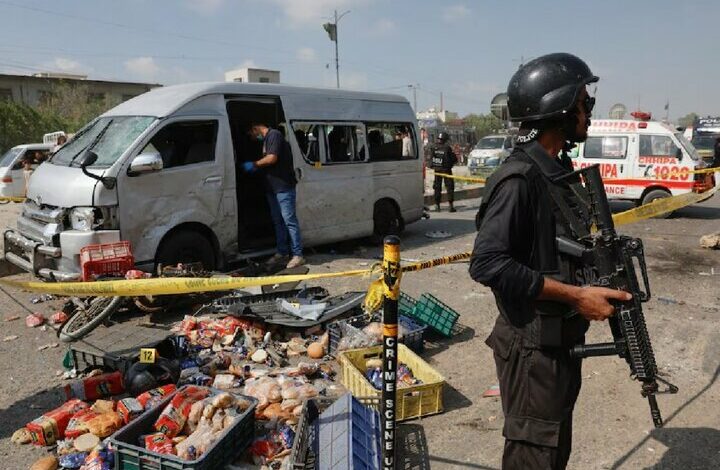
<point>493,391</point>
<point>10,338</point>
<point>12,318</point>
<point>58,318</point>
<point>438,234</point>
<point>42,298</point>
<point>48,346</point>
<point>710,241</point>
<point>34,320</point>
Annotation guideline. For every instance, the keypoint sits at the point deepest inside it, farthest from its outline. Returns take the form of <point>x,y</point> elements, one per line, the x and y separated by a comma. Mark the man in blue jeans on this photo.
<point>277,165</point>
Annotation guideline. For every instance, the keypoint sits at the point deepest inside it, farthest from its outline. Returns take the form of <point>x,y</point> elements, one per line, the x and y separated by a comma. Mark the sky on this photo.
<point>646,53</point>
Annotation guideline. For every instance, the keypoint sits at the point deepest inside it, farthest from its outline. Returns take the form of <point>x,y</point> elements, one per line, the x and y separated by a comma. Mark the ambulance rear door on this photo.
<point>614,154</point>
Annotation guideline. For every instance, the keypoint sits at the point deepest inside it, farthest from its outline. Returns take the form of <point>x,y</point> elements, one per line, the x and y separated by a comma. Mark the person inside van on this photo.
<point>277,165</point>
<point>60,142</point>
<point>407,144</point>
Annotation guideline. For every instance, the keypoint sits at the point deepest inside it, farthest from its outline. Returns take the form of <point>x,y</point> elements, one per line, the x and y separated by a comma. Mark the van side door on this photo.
<point>187,190</point>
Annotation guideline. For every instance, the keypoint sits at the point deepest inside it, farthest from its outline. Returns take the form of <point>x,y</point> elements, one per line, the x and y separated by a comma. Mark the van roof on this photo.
<point>163,101</point>
<point>628,125</point>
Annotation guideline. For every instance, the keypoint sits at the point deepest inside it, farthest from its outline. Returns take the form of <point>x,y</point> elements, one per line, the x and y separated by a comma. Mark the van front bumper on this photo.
<point>51,262</point>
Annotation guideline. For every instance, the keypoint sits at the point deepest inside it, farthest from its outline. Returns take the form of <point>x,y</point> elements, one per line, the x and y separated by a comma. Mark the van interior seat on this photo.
<point>199,152</point>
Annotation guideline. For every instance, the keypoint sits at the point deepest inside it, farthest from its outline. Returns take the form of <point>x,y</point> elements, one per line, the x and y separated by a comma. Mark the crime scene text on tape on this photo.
<point>170,286</point>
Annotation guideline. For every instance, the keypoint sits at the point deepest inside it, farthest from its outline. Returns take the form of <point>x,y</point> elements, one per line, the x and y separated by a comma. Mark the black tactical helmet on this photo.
<point>547,87</point>
<point>443,137</point>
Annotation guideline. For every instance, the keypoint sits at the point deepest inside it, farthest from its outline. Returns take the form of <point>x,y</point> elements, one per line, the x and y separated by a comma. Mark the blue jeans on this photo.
<point>287,228</point>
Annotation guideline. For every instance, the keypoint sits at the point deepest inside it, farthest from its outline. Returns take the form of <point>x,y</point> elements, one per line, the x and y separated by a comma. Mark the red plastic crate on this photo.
<point>108,259</point>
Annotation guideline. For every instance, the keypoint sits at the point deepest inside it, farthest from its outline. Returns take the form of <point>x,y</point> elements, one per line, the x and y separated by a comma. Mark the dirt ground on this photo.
<point>612,425</point>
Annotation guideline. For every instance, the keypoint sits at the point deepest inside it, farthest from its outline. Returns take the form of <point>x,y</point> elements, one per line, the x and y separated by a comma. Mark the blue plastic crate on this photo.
<point>347,436</point>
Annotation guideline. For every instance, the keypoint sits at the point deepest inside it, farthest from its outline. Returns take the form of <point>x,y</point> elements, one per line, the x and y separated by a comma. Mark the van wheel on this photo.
<point>654,195</point>
<point>186,247</point>
<point>387,221</point>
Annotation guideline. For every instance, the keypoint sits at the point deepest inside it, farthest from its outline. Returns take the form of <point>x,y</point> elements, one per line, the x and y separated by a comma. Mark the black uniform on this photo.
<point>514,249</point>
<point>442,160</point>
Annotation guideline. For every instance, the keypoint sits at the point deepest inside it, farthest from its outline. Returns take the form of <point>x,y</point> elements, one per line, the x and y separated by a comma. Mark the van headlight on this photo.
<point>83,218</point>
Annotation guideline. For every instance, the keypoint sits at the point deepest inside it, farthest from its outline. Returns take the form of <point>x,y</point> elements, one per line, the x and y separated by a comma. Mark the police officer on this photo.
<point>442,160</point>
<point>543,309</point>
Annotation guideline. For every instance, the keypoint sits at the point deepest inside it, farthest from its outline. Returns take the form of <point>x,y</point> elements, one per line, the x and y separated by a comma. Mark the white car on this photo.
<point>488,153</point>
<point>12,180</point>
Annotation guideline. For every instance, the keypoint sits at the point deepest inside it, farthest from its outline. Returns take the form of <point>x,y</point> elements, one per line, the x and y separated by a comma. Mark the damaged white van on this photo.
<point>161,171</point>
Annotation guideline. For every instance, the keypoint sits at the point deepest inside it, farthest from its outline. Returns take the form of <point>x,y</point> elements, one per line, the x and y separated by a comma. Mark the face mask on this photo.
<point>259,137</point>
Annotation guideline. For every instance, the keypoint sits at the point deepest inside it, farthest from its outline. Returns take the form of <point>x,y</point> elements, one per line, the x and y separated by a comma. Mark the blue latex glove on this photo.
<point>249,167</point>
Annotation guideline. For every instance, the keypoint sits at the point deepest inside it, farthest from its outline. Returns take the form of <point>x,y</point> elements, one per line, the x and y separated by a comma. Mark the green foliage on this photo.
<point>687,120</point>
<point>65,108</point>
<point>484,124</point>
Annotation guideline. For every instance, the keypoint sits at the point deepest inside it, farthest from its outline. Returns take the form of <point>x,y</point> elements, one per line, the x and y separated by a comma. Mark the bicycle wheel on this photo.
<point>89,314</point>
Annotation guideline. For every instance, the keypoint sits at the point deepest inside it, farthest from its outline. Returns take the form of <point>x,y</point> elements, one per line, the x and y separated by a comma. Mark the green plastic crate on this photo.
<point>406,304</point>
<point>432,312</point>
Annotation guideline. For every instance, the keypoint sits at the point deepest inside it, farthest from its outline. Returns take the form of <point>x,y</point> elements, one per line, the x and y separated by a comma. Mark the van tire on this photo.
<point>186,246</point>
<point>654,195</point>
<point>386,220</point>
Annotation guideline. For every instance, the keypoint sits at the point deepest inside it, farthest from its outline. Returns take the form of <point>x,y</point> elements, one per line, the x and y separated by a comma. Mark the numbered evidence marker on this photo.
<point>147,355</point>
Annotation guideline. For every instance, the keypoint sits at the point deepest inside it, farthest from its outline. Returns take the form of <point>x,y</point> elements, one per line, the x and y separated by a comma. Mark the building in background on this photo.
<point>31,90</point>
<point>251,75</point>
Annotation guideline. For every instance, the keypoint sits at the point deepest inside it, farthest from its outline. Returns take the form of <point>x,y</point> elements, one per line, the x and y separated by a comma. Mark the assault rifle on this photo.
<point>615,258</point>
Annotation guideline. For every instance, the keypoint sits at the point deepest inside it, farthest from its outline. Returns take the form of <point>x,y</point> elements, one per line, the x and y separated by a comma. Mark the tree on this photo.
<point>483,124</point>
<point>74,105</point>
<point>65,107</point>
<point>687,120</point>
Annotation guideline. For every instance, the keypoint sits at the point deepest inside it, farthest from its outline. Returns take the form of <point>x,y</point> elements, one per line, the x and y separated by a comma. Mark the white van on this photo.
<point>169,162</point>
<point>641,160</point>
<point>489,153</point>
<point>12,180</point>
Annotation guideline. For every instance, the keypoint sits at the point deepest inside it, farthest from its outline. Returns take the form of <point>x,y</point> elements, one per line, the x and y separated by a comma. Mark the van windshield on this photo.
<point>490,143</point>
<point>689,148</point>
<point>9,156</point>
<point>113,134</point>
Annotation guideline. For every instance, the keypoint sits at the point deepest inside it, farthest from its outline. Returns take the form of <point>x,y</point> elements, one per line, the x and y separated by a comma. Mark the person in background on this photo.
<point>442,160</point>
<point>60,142</point>
<point>408,149</point>
<point>27,163</point>
<point>277,166</point>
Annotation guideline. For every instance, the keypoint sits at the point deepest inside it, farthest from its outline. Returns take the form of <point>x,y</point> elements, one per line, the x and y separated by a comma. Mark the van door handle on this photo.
<point>212,180</point>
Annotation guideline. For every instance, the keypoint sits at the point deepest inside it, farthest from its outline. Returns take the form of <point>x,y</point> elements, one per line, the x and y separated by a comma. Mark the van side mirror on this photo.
<point>145,163</point>
<point>88,158</point>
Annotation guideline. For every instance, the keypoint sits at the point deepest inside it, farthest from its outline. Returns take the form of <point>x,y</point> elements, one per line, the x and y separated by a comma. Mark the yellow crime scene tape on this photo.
<point>172,286</point>
<point>12,199</point>
<point>471,179</point>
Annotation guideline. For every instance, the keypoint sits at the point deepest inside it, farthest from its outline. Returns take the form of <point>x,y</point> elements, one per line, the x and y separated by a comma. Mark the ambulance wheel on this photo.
<point>654,195</point>
<point>386,220</point>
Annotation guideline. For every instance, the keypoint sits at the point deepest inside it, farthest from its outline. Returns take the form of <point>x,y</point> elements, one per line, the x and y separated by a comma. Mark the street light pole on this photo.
<point>332,30</point>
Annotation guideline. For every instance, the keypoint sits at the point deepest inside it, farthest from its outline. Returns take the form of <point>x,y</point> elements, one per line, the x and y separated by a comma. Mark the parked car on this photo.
<point>12,180</point>
<point>488,153</point>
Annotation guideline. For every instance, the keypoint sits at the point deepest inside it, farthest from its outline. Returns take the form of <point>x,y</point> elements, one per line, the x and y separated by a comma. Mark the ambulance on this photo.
<point>642,160</point>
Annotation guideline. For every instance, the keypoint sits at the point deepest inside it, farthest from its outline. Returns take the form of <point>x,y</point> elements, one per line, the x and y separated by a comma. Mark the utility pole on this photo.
<point>442,105</point>
<point>332,30</point>
<point>414,89</point>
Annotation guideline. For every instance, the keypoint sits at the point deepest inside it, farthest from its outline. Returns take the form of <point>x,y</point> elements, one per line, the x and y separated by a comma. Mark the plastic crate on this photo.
<point>412,332</point>
<point>130,455</point>
<point>412,402</point>
<point>303,456</point>
<point>348,436</point>
<point>118,348</point>
<point>107,259</point>
<point>406,304</point>
<point>432,312</point>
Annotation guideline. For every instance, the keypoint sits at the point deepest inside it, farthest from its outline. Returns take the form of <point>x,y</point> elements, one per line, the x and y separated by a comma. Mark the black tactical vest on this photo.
<point>543,324</point>
<point>441,157</point>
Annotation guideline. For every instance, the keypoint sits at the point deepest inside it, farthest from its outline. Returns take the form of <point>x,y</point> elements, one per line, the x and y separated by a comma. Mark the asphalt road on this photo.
<point>612,425</point>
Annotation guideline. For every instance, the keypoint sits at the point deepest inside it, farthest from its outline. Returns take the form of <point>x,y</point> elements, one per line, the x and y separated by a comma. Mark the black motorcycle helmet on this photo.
<point>443,137</point>
<point>547,87</point>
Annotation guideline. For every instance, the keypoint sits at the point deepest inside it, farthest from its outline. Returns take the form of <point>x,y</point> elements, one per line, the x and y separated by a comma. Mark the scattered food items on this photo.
<point>34,320</point>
